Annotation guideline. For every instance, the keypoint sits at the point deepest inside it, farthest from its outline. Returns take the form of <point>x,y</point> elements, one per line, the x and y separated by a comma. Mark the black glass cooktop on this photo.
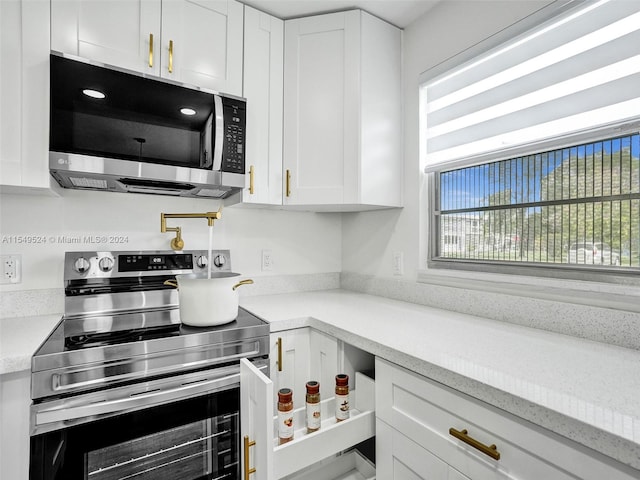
<point>106,331</point>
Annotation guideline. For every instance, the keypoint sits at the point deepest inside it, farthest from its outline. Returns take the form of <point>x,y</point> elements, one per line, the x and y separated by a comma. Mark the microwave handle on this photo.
<point>219,133</point>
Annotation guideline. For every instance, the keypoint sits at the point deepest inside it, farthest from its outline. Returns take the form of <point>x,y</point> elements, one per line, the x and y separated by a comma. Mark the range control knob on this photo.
<point>202,261</point>
<point>105,264</point>
<point>81,265</point>
<point>219,260</point>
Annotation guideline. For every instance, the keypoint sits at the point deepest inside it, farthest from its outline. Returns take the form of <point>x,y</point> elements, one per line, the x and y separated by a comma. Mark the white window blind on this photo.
<point>574,75</point>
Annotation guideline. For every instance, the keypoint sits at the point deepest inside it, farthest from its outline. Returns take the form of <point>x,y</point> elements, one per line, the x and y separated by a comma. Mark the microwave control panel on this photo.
<point>235,114</point>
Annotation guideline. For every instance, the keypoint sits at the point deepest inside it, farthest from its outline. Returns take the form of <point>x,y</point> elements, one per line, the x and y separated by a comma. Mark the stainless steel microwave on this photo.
<point>122,131</point>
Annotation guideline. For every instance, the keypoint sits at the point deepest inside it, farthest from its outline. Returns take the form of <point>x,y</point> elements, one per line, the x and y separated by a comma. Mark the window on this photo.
<point>577,205</point>
<point>532,147</point>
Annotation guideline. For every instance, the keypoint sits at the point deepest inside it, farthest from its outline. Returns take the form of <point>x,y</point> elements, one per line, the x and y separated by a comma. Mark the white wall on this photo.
<point>301,242</point>
<point>371,238</point>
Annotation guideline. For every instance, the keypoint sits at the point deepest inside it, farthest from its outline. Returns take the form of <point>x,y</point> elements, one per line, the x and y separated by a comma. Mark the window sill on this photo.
<point>595,294</point>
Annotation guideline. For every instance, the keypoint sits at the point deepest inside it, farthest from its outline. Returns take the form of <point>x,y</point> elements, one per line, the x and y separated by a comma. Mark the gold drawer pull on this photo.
<point>288,184</point>
<point>248,471</point>
<point>251,180</point>
<point>170,56</point>
<point>279,354</point>
<point>491,450</point>
<point>150,50</point>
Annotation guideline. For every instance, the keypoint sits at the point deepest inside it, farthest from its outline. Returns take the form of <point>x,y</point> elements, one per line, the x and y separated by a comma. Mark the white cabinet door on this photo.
<point>398,458</point>
<point>307,354</point>
<point>342,112</point>
<point>427,413</point>
<point>292,346</point>
<point>125,33</point>
<point>256,422</point>
<point>323,366</point>
<point>202,43</point>
<point>10,88</point>
<point>24,94</point>
<point>15,400</point>
<point>198,42</point>
<point>271,460</point>
<point>263,89</point>
<point>321,77</point>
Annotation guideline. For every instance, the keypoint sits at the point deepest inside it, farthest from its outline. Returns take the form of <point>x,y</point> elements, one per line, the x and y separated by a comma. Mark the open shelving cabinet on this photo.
<point>264,459</point>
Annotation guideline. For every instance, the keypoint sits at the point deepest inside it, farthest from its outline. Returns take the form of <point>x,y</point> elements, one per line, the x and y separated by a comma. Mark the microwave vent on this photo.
<point>84,182</point>
<point>208,192</point>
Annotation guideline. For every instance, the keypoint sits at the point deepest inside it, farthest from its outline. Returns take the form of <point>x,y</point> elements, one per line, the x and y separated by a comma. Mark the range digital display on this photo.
<point>143,263</point>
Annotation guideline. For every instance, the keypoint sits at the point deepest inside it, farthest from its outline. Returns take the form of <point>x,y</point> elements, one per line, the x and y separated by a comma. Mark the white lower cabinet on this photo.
<point>264,459</point>
<point>416,419</point>
<point>404,459</point>
<point>15,401</point>
<point>302,354</point>
<point>289,362</point>
<point>348,466</point>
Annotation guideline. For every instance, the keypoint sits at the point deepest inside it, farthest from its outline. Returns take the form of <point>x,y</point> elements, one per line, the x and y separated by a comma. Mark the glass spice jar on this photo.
<point>285,415</point>
<point>342,397</point>
<point>313,406</point>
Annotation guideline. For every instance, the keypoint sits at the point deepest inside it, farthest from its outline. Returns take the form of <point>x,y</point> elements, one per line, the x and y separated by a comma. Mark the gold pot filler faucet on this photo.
<point>177,243</point>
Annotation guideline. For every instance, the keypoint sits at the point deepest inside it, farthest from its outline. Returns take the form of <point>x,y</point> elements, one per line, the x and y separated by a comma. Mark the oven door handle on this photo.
<point>59,382</point>
<point>72,414</point>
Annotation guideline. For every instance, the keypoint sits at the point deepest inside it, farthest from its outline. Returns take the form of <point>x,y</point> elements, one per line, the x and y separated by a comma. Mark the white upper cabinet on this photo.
<point>125,33</point>
<point>198,42</point>
<point>24,95</point>
<point>263,72</point>
<point>207,43</point>
<point>342,112</point>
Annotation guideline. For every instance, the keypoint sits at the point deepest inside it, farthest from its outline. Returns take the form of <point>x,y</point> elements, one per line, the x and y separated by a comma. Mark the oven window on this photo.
<point>194,450</point>
<point>189,440</point>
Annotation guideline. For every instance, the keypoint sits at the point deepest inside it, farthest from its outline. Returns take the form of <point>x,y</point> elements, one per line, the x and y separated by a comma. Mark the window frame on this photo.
<point>617,275</point>
<point>441,270</point>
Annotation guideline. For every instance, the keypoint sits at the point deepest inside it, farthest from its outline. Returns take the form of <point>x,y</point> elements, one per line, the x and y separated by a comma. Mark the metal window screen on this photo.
<point>574,206</point>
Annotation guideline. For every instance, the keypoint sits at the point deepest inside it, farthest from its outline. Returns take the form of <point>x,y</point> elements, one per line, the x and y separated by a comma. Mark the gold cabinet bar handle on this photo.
<point>491,450</point>
<point>247,471</point>
<point>288,189</point>
<point>150,50</point>
<point>279,354</point>
<point>170,56</point>
<point>251,175</point>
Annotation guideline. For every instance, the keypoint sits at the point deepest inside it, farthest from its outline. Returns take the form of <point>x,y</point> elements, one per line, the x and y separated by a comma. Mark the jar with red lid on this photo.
<point>342,397</point>
<point>313,406</point>
<point>285,415</point>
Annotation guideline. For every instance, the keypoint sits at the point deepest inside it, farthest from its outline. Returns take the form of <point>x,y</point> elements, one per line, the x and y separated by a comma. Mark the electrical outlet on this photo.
<point>267,260</point>
<point>398,263</point>
<point>11,268</point>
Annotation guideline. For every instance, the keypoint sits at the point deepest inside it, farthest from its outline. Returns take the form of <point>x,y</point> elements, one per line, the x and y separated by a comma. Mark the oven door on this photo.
<point>184,427</point>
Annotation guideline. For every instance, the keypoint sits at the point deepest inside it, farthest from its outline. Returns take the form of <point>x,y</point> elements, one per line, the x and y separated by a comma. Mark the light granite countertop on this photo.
<point>20,337</point>
<point>582,390</point>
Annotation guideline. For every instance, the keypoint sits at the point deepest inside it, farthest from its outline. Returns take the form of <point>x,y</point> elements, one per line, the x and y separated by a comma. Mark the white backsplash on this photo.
<point>27,303</point>
<point>41,229</point>
<point>606,325</point>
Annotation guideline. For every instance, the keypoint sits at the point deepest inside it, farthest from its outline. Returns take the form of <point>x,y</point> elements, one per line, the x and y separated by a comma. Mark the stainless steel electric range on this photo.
<point>122,390</point>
